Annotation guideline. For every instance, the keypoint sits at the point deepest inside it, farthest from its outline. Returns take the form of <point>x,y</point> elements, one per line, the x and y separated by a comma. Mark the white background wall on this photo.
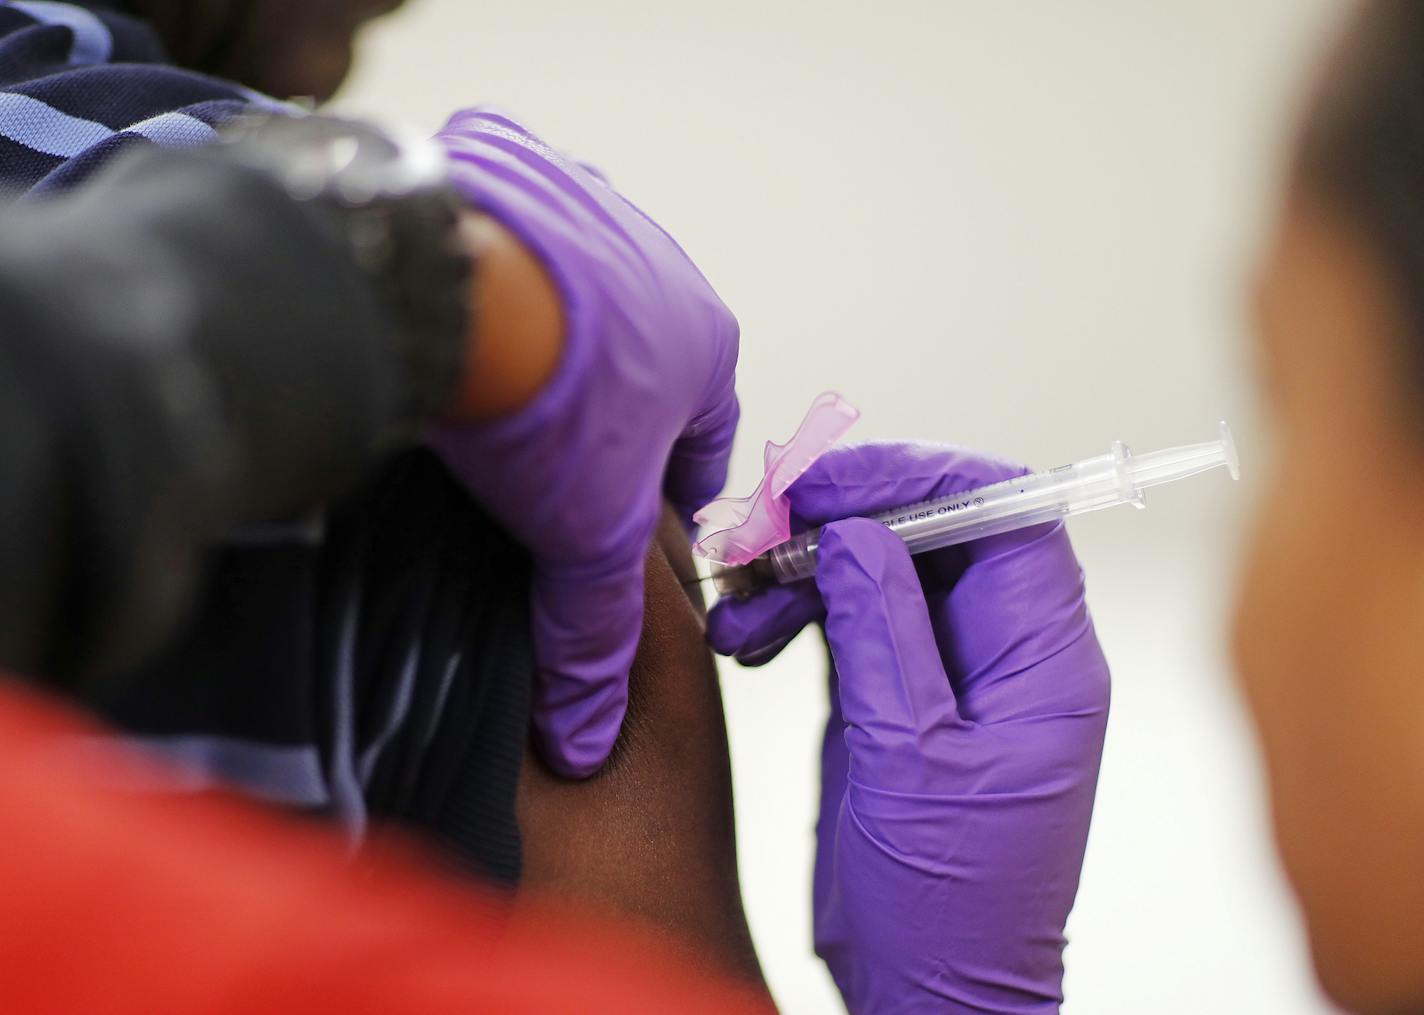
<point>1023,226</point>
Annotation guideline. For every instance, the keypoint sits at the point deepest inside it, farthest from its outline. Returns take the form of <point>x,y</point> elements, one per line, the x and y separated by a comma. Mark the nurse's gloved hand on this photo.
<point>969,700</point>
<point>641,405</point>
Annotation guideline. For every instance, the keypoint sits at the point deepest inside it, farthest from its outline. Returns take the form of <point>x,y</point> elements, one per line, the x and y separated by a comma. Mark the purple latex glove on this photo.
<point>642,404</point>
<point>968,707</point>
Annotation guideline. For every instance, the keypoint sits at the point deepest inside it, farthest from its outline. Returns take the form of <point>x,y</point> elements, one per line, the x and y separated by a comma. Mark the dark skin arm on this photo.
<point>651,836</point>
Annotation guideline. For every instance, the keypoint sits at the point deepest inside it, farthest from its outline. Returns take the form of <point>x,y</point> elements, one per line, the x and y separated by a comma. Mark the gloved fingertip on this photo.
<point>575,739</point>
<point>754,630</point>
<point>761,656</point>
<point>858,549</point>
<point>727,626</point>
<point>585,637</point>
<point>578,764</point>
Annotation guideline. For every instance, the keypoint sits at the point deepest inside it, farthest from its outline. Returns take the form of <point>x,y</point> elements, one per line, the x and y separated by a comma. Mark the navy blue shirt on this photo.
<point>372,662</point>
<point>78,84</point>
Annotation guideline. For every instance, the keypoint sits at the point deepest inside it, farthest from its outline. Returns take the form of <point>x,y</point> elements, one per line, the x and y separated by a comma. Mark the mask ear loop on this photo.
<point>734,530</point>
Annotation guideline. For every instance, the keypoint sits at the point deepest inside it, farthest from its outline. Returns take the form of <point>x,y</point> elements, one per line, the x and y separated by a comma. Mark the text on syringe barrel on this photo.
<point>1015,503</point>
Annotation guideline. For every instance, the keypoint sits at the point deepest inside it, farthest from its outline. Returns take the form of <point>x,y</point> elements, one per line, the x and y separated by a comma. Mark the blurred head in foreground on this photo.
<point>285,48</point>
<point>1330,626</point>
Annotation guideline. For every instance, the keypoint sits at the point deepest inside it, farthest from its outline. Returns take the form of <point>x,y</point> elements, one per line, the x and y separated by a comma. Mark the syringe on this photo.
<point>1117,477</point>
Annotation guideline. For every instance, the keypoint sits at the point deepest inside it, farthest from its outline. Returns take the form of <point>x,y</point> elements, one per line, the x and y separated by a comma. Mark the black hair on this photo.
<point>1363,151</point>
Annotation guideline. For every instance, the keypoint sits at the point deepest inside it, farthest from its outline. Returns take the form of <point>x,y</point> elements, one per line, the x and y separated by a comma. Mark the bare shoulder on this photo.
<point>652,835</point>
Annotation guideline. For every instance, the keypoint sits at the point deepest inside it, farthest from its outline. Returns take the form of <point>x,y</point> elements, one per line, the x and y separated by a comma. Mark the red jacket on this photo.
<point>111,902</point>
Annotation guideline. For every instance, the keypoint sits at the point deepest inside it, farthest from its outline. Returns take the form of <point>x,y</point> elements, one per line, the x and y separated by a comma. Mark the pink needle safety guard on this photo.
<point>735,530</point>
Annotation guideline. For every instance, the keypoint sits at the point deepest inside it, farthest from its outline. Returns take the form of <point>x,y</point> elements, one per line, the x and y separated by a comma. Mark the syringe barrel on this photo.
<point>1017,503</point>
